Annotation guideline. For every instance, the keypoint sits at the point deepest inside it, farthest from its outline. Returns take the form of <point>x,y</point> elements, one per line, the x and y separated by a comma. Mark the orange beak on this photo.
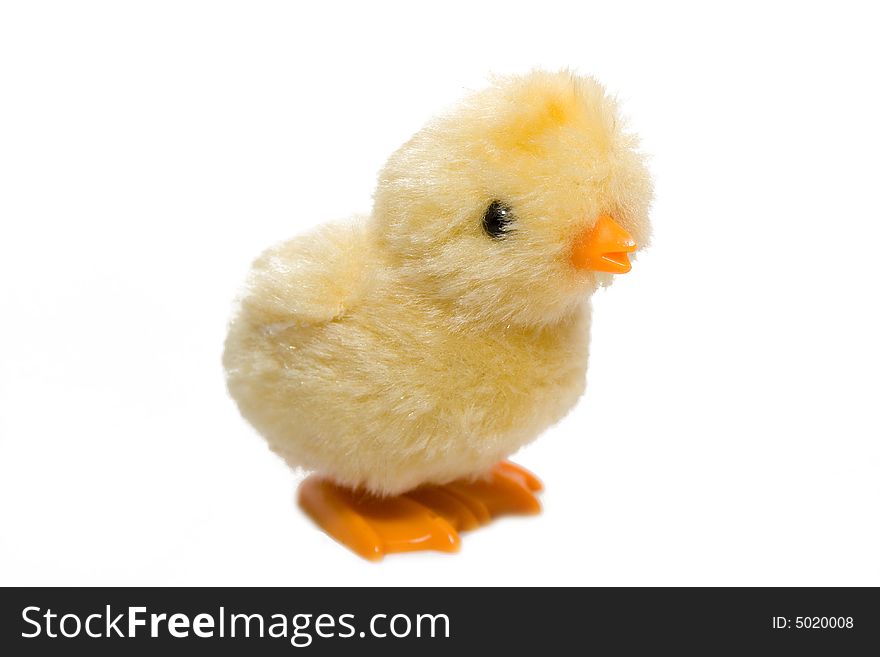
<point>604,247</point>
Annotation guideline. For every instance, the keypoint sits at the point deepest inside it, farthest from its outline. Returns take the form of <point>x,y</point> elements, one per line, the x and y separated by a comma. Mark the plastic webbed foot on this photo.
<point>374,526</point>
<point>427,518</point>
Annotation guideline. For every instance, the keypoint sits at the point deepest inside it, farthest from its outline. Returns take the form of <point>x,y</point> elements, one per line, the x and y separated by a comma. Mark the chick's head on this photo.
<point>493,209</point>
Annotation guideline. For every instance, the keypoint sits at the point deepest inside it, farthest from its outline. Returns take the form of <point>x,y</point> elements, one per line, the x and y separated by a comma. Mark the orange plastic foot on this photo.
<point>428,518</point>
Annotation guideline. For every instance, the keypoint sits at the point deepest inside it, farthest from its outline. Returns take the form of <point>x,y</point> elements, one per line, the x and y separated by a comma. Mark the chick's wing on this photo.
<point>307,280</point>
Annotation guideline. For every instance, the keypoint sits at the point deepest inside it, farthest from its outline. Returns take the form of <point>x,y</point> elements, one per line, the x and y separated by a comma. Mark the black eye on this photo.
<point>497,219</point>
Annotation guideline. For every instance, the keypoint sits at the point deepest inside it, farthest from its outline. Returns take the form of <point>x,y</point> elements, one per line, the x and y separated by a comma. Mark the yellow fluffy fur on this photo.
<point>409,347</point>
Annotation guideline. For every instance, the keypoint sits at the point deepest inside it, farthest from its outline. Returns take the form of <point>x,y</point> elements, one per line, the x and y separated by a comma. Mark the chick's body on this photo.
<point>375,388</point>
<point>429,340</point>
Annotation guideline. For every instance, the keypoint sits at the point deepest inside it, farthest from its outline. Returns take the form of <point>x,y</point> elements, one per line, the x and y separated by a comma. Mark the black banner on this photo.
<point>113,621</point>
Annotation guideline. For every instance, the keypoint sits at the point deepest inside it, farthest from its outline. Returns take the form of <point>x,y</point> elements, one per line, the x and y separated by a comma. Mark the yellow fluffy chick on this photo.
<point>430,340</point>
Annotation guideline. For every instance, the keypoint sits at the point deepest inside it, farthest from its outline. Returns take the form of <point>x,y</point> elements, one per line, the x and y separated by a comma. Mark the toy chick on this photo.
<point>402,357</point>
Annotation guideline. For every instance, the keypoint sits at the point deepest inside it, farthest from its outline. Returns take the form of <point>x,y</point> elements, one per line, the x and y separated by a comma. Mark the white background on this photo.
<point>148,151</point>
